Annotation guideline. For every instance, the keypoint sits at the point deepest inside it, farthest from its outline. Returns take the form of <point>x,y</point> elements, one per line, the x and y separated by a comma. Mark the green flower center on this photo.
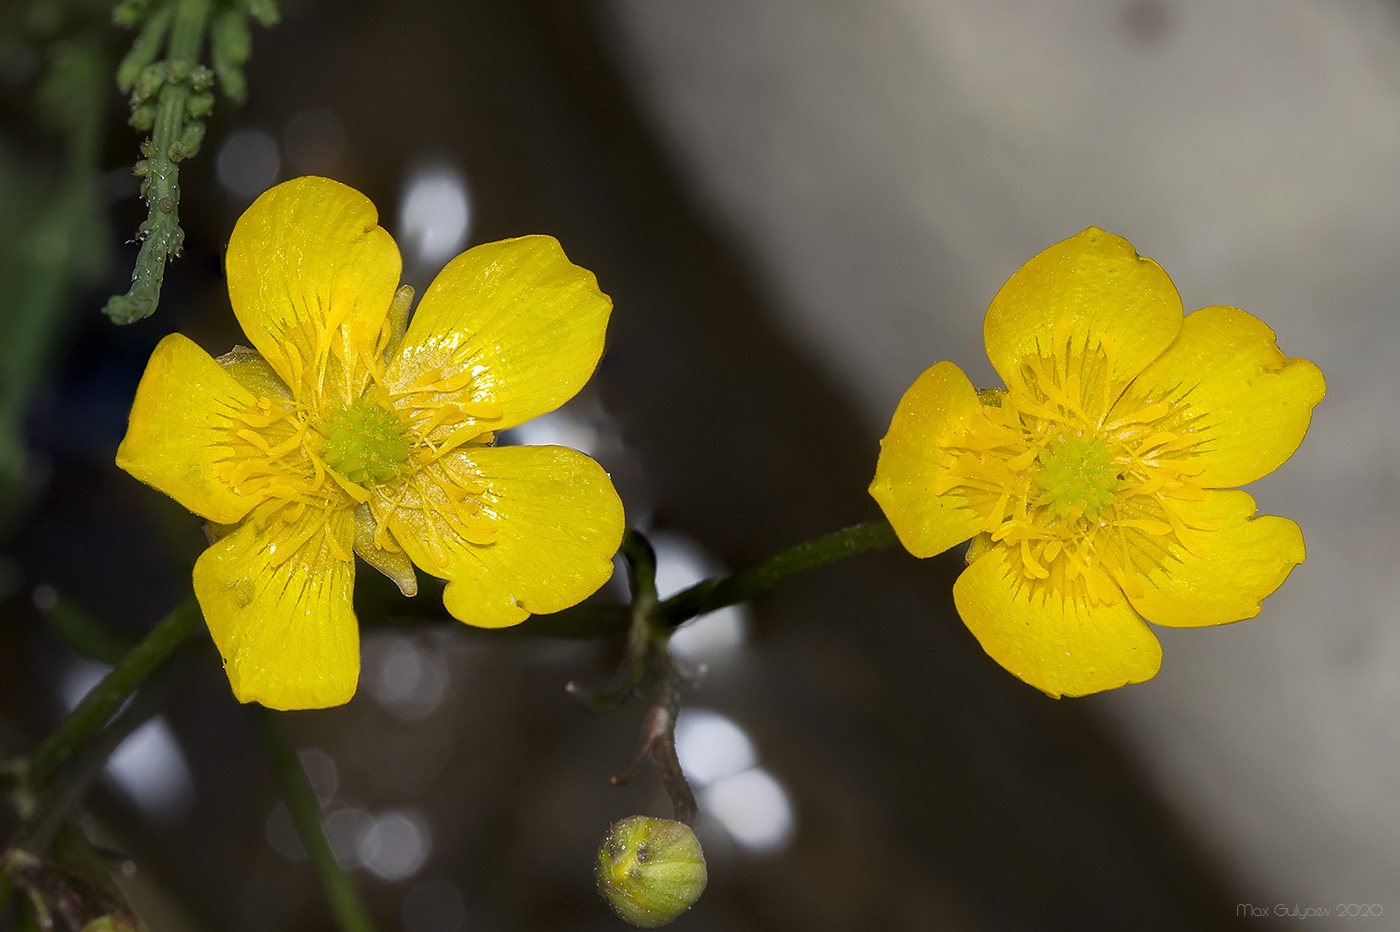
<point>365,442</point>
<point>1076,475</point>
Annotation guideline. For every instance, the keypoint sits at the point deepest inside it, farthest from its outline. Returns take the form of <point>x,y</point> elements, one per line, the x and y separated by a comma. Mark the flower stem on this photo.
<point>592,621</point>
<point>175,135</point>
<point>721,591</point>
<point>65,788</point>
<point>341,893</point>
<point>99,705</point>
<point>649,665</point>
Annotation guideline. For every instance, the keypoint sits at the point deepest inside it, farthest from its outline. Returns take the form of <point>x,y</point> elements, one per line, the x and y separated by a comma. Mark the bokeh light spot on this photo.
<point>435,215</point>
<point>681,563</point>
<point>407,675</point>
<point>711,746</point>
<point>248,162</point>
<point>753,807</point>
<point>396,844</point>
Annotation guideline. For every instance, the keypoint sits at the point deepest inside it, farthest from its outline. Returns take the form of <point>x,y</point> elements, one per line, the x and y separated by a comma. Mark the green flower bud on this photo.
<point>200,105</point>
<point>147,83</point>
<point>201,79</point>
<point>650,870</point>
<point>142,118</point>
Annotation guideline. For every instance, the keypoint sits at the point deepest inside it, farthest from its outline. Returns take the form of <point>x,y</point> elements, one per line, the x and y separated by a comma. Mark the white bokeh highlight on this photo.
<point>681,563</point>
<point>753,807</point>
<point>434,215</point>
<point>395,845</point>
<point>712,746</point>
<point>149,765</point>
<point>721,762</point>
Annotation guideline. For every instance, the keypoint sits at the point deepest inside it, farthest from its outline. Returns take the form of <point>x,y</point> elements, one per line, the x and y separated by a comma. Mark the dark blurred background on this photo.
<point>861,764</point>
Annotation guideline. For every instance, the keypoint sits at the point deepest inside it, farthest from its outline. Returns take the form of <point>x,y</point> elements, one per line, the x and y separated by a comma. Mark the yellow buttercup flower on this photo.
<point>351,429</point>
<point>1096,485</point>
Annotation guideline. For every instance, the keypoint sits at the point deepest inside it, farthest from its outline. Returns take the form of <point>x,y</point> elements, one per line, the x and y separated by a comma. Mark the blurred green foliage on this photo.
<point>56,240</point>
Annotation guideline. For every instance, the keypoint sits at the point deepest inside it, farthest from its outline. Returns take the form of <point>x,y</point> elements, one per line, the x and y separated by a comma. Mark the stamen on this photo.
<point>1067,492</point>
<point>294,360</point>
<point>333,545</point>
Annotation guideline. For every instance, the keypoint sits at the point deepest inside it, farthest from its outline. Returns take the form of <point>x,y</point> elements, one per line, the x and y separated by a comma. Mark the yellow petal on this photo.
<point>1049,633</point>
<point>513,328</point>
<point>549,526</point>
<point>284,623</point>
<point>1249,404</point>
<point>1092,294</point>
<point>912,466</point>
<point>182,426</point>
<point>311,275</point>
<point>1239,561</point>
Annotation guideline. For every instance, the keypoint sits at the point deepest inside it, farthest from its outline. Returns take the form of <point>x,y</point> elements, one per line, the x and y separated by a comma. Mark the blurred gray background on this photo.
<point>797,207</point>
<point>889,164</point>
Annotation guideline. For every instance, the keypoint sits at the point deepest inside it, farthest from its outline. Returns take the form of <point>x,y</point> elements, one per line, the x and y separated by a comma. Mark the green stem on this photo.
<point>722,591</point>
<point>171,141</point>
<point>99,705</point>
<point>608,622</point>
<point>187,34</point>
<point>649,664</point>
<point>641,568</point>
<point>67,785</point>
<point>341,893</point>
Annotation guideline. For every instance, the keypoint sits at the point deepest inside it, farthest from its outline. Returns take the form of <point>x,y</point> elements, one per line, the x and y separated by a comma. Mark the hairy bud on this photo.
<point>650,870</point>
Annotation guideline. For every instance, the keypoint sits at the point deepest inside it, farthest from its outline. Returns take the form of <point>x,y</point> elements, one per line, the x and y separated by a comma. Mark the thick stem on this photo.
<point>722,591</point>
<point>69,784</point>
<point>99,705</point>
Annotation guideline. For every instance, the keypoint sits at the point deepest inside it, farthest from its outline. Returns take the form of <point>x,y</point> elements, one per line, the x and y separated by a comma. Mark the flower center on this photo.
<point>365,442</point>
<point>1076,477</point>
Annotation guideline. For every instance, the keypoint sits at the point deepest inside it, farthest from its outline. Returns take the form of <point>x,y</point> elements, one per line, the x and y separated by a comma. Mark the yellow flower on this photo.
<point>1095,486</point>
<point>353,430</point>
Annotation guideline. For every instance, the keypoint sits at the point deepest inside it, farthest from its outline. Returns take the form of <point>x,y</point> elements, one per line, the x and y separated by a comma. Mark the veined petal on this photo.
<point>182,425</point>
<point>512,329</point>
<point>912,465</point>
<point>284,622</point>
<point>1248,403</point>
<point>311,275</point>
<point>1239,561</point>
<point>1049,633</point>
<point>1089,296</point>
<point>535,531</point>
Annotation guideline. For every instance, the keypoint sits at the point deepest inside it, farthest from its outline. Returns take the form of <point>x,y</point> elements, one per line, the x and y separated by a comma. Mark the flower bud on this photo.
<point>650,870</point>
